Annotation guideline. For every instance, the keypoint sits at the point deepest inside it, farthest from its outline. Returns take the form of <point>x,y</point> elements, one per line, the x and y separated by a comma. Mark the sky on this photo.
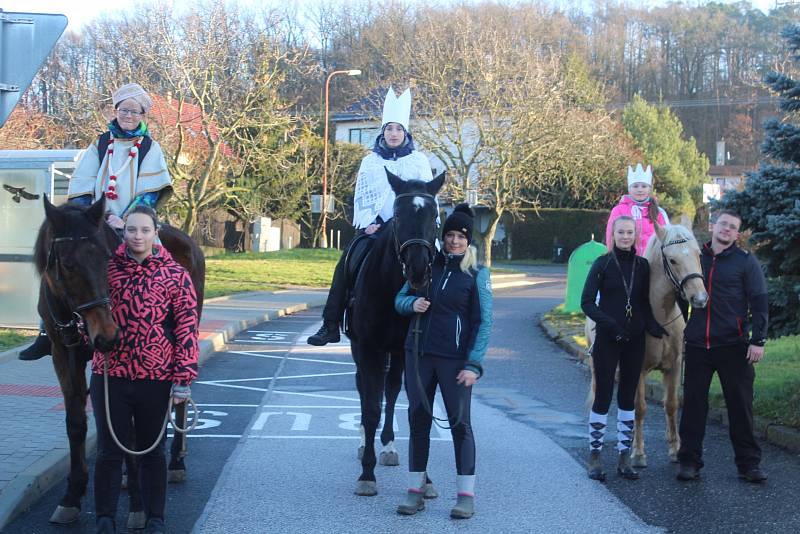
<point>80,12</point>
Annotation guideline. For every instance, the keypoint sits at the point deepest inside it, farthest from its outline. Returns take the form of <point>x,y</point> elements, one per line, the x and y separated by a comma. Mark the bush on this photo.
<point>534,236</point>
<point>784,301</point>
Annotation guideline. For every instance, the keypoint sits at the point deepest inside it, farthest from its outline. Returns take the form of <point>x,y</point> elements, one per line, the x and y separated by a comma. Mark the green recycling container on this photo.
<point>580,261</point>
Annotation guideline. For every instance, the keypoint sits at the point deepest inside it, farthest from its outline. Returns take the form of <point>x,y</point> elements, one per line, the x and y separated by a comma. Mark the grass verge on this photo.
<point>11,337</point>
<point>264,271</point>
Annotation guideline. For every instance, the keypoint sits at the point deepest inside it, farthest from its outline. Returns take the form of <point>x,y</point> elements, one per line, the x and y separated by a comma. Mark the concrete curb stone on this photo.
<point>785,437</point>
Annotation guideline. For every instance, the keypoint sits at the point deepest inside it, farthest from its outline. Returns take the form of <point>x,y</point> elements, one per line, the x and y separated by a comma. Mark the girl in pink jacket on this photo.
<point>640,205</point>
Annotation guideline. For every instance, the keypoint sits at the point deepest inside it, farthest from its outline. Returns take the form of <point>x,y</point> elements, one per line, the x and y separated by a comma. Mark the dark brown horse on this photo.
<point>71,256</point>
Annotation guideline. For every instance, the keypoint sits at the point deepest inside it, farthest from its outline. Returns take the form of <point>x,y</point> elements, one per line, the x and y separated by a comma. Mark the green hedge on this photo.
<point>533,236</point>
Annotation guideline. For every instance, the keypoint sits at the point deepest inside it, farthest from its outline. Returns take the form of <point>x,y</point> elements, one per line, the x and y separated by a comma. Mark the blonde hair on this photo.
<point>470,260</point>
<point>610,245</point>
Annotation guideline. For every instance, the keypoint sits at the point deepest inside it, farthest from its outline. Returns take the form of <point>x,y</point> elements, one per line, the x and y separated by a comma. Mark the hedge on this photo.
<point>534,235</point>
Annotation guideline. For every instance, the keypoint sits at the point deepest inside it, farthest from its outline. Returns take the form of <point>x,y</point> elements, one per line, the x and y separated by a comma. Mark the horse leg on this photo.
<point>638,457</point>
<point>362,443</point>
<point>371,374</point>
<point>74,391</point>
<point>394,381</point>
<point>671,409</point>
<point>176,472</point>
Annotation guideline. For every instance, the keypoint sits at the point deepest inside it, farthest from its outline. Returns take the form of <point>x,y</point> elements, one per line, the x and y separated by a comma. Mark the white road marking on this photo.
<point>256,354</point>
<point>275,378</point>
<point>262,342</point>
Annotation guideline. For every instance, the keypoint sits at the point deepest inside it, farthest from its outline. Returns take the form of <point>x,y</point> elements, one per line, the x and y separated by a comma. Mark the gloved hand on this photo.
<point>621,336</point>
<point>657,331</point>
<point>180,393</point>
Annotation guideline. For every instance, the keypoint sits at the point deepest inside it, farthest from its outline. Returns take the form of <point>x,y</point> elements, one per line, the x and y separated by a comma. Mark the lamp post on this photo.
<point>323,207</point>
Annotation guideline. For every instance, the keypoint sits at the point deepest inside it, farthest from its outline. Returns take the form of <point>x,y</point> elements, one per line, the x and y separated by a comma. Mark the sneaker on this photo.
<point>328,333</point>
<point>754,475</point>
<point>464,508</point>
<point>413,502</point>
<point>40,348</point>
<point>688,472</point>
<point>155,525</point>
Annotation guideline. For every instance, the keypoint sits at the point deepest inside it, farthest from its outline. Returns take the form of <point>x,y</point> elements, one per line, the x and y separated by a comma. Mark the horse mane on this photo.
<point>673,232</point>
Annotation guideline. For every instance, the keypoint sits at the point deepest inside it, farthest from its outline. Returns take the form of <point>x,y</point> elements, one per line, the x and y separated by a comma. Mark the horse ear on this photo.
<point>436,184</point>
<point>661,232</point>
<point>397,183</point>
<point>51,213</point>
<point>96,212</point>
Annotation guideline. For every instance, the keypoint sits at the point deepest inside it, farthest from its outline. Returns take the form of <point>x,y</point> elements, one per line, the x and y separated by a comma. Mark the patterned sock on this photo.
<point>597,430</point>
<point>466,485</point>
<point>625,429</point>
<point>416,481</point>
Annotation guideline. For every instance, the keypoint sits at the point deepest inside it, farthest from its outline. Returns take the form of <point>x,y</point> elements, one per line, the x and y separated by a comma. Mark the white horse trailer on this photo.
<point>25,176</point>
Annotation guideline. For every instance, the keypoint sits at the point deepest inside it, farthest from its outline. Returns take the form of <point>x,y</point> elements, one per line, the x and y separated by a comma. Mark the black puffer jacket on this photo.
<point>610,314</point>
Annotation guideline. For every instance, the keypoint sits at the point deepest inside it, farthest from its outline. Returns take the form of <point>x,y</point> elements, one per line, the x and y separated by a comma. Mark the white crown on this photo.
<point>640,175</point>
<point>397,109</point>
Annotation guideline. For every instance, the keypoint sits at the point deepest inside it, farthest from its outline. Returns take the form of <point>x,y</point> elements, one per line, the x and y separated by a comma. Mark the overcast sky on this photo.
<point>80,12</point>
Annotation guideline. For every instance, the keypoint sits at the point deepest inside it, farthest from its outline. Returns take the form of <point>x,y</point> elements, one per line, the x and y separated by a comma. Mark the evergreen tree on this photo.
<point>679,168</point>
<point>770,201</point>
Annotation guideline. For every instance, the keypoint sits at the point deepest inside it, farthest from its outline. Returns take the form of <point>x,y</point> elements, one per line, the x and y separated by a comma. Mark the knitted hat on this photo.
<point>134,91</point>
<point>461,220</point>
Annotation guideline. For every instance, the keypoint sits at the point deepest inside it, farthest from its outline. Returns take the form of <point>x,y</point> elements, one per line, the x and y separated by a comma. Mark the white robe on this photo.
<point>91,174</point>
<point>374,195</point>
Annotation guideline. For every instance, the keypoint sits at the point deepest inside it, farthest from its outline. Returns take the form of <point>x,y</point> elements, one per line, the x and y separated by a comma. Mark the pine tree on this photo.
<point>770,201</point>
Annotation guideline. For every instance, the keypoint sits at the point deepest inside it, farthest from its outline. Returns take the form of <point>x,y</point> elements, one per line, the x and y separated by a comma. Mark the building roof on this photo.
<point>165,112</point>
<point>730,170</point>
<point>369,107</point>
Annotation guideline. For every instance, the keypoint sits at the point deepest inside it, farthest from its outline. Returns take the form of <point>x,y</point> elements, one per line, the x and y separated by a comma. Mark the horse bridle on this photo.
<point>71,327</point>
<point>400,247</point>
<point>678,284</point>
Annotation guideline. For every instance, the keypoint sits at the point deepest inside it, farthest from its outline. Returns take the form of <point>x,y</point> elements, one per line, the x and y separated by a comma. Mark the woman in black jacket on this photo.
<point>616,297</point>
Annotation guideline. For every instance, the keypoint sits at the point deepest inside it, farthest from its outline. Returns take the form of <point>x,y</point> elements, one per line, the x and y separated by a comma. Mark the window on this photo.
<point>363,136</point>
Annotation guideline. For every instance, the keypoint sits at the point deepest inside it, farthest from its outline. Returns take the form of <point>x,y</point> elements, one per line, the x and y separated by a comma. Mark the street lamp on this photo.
<point>353,72</point>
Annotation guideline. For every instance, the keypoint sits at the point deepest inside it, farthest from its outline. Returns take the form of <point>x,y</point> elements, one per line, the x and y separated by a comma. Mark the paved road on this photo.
<point>277,452</point>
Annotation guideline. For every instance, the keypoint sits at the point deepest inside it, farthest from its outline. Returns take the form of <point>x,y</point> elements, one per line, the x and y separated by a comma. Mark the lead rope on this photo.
<point>167,418</point>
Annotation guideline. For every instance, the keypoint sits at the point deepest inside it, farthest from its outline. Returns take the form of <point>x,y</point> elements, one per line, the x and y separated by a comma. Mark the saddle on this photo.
<point>357,253</point>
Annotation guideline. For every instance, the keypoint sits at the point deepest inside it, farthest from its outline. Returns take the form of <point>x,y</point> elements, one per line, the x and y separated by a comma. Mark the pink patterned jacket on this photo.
<point>639,212</point>
<point>155,306</point>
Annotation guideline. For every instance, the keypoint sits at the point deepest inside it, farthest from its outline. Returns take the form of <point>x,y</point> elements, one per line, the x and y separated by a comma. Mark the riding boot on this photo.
<point>597,430</point>
<point>465,500</point>
<point>625,424</point>
<point>414,500</point>
<point>40,348</point>
<point>328,333</point>
<point>105,525</point>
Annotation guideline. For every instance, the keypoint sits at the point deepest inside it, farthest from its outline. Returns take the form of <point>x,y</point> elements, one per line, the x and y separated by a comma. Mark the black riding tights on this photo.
<point>434,370</point>
<point>606,355</point>
<point>146,402</point>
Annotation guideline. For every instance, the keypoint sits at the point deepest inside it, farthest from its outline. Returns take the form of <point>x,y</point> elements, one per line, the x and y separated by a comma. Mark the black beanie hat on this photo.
<point>461,220</point>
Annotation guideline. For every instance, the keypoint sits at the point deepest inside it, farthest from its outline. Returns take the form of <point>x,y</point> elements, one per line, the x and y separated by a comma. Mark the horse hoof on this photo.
<point>124,484</point>
<point>65,515</point>
<point>430,491</point>
<point>176,475</point>
<point>361,452</point>
<point>366,488</point>
<point>389,458</point>
<point>673,457</point>
<point>137,520</point>
<point>639,461</point>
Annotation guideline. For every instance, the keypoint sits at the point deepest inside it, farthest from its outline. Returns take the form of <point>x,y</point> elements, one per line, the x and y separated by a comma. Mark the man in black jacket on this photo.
<point>717,340</point>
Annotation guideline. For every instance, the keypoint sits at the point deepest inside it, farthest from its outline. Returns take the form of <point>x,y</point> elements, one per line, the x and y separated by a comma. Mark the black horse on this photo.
<point>403,251</point>
<point>71,255</point>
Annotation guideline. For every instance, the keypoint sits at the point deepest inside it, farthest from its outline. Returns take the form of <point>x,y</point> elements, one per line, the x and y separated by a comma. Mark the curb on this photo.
<point>782,436</point>
<point>30,485</point>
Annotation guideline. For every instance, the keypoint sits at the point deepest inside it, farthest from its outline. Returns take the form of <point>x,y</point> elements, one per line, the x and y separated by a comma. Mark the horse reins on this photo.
<point>400,247</point>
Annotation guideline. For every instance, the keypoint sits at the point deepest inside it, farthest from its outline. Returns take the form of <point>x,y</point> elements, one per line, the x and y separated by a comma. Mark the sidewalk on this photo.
<point>34,451</point>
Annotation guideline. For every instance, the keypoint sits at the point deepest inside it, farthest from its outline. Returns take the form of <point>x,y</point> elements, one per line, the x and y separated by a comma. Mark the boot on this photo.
<point>464,508</point>
<point>595,468</point>
<point>40,348</point>
<point>328,333</point>
<point>155,525</point>
<point>624,467</point>
<point>688,472</point>
<point>105,525</point>
<point>414,502</point>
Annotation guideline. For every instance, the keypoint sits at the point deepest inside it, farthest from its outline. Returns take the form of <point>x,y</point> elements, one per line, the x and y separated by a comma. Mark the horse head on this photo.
<point>680,257</point>
<point>72,252</point>
<point>415,215</point>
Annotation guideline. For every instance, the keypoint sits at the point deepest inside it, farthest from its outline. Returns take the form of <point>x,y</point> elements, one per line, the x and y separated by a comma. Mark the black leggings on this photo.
<point>146,402</point>
<point>434,370</point>
<point>606,354</point>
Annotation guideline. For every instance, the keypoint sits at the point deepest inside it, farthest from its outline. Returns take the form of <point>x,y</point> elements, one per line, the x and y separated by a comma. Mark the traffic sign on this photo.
<point>26,40</point>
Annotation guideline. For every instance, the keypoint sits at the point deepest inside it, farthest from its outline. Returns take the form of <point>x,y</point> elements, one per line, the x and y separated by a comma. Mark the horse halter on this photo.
<point>678,284</point>
<point>400,247</point>
<point>76,318</point>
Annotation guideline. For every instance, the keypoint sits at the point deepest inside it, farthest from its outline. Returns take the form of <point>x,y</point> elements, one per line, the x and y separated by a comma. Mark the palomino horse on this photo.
<point>674,258</point>
<point>71,255</point>
<point>402,251</point>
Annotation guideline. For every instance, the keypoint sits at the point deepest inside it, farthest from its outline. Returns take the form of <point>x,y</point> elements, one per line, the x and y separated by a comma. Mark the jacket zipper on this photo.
<point>458,330</point>
<point>708,306</point>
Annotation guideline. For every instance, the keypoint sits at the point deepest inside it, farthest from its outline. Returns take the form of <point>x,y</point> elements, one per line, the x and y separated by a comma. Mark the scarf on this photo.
<point>118,133</point>
<point>383,150</point>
